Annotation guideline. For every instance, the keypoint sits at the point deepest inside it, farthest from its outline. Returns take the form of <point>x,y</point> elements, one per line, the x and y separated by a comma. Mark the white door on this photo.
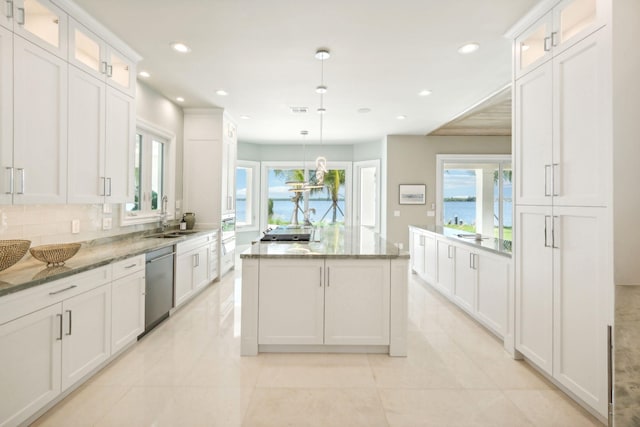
<point>86,183</point>
<point>86,333</point>
<point>30,363</point>
<point>127,309</point>
<point>534,284</point>
<point>533,117</point>
<point>120,137</point>
<point>6,15</point>
<point>40,125</point>
<point>417,253</point>
<point>291,302</point>
<point>87,51</point>
<point>465,278</point>
<point>573,20</point>
<point>581,162</point>
<point>430,258</point>
<point>6,116</point>
<point>357,295</point>
<point>582,300</point>
<point>366,191</point>
<point>445,259</point>
<point>184,277</point>
<point>120,72</point>
<point>533,47</point>
<point>494,274</point>
<point>201,268</point>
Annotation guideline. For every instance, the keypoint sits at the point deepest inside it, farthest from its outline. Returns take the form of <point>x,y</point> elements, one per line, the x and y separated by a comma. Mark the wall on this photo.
<point>43,224</point>
<point>290,152</point>
<point>412,160</point>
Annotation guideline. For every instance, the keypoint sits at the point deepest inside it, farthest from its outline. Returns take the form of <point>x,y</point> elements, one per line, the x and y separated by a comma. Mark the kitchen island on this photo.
<point>343,291</point>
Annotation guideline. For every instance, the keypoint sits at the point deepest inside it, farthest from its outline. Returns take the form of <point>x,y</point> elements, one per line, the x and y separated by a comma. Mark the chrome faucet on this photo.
<point>306,215</point>
<point>163,213</point>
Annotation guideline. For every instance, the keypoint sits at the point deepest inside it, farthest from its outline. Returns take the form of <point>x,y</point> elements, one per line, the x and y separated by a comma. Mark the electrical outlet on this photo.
<point>431,213</point>
<point>106,223</point>
<point>75,226</point>
<point>396,213</point>
<point>106,208</point>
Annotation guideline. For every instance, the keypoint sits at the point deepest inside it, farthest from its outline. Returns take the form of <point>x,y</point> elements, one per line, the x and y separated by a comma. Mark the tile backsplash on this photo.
<point>44,224</point>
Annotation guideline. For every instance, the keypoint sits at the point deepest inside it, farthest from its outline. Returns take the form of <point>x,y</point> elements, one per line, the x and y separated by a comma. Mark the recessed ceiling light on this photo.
<point>401,117</point>
<point>321,110</point>
<point>180,99</point>
<point>321,89</point>
<point>144,74</point>
<point>424,92</point>
<point>323,54</point>
<point>245,117</point>
<point>364,110</point>
<point>468,48</point>
<point>222,92</point>
<point>180,47</point>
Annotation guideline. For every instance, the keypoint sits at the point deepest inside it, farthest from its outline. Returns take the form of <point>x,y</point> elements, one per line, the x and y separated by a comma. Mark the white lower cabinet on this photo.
<point>465,278</point>
<point>445,254</point>
<point>492,292</point>
<point>127,309</point>
<point>30,364</point>
<point>334,302</point>
<point>192,267</point>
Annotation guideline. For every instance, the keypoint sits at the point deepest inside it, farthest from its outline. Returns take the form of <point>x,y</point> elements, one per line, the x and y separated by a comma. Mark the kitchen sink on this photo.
<point>171,234</point>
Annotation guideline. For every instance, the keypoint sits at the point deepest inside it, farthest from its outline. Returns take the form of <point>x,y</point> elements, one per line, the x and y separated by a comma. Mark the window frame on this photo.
<point>252,197</point>
<point>168,182</point>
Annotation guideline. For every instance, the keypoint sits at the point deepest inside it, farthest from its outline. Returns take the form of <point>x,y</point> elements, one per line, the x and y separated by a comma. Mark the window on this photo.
<point>153,172</point>
<point>327,205</point>
<point>474,194</point>
<point>247,192</point>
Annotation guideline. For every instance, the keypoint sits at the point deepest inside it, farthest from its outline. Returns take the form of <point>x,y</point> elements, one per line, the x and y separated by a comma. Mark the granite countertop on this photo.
<point>330,242</point>
<point>30,272</point>
<point>491,244</point>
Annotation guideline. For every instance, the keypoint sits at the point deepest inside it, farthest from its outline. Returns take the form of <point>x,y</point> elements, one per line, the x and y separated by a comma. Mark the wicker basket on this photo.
<point>12,251</point>
<point>55,254</point>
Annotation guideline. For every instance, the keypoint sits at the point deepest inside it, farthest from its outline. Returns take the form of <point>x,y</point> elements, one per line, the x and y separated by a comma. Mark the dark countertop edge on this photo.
<point>467,242</point>
<point>95,245</point>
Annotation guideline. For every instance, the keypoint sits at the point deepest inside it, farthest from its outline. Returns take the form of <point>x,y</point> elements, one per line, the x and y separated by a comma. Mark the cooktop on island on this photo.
<point>288,234</point>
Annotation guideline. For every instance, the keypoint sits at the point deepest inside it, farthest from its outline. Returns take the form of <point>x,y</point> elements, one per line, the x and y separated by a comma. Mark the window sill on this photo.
<point>141,219</point>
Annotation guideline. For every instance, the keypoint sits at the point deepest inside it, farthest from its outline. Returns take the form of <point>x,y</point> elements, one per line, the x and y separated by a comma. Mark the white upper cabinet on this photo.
<point>567,23</point>
<point>92,54</point>
<point>43,23</point>
<point>6,14</point>
<point>119,158</point>
<point>6,115</point>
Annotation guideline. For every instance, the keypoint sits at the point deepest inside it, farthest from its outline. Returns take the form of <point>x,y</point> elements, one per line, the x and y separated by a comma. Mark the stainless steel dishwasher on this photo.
<point>158,286</point>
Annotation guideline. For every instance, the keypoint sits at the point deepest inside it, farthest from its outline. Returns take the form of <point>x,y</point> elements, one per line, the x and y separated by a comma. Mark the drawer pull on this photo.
<point>63,290</point>
<point>70,321</point>
<point>131,266</point>
<point>60,336</point>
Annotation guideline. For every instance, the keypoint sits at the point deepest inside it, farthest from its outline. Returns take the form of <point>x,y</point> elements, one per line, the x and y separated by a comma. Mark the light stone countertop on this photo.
<point>491,244</point>
<point>330,242</point>
<point>30,272</point>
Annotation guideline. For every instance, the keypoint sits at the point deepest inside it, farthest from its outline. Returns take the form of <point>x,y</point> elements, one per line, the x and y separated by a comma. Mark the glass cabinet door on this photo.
<point>120,72</point>
<point>534,46</point>
<point>43,23</point>
<point>575,19</point>
<point>86,50</point>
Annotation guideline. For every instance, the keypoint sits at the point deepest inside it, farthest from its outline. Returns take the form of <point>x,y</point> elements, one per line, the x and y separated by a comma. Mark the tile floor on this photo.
<point>188,372</point>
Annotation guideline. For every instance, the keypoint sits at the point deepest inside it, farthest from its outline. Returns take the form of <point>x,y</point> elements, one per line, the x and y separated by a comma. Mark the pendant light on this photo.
<point>301,186</point>
<point>321,162</point>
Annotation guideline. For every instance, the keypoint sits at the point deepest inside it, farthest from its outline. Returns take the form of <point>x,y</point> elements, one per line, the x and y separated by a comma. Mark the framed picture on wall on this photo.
<point>413,194</point>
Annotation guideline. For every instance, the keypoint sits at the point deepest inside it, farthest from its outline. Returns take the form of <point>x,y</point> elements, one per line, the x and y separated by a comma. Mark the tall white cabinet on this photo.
<point>563,150</point>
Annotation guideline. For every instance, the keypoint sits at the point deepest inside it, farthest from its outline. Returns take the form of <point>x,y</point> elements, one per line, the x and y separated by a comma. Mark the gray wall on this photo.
<point>158,110</point>
<point>412,160</point>
<point>291,152</point>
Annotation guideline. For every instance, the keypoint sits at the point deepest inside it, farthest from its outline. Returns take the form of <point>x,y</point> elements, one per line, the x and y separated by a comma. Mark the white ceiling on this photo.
<point>262,53</point>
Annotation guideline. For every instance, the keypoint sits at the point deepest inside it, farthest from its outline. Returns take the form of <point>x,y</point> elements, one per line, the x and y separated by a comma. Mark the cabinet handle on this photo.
<point>9,9</point>
<point>22,184</point>
<point>554,38</point>
<point>547,44</point>
<point>109,70</point>
<point>63,290</point>
<point>10,169</point>
<point>103,67</point>
<point>421,240</point>
<point>131,266</point>
<point>103,184</point>
<point>21,21</point>
<point>554,174</point>
<point>610,373</point>
<point>109,181</point>
<point>70,322</point>
<point>320,268</point>
<point>328,277</point>
<point>449,247</point>
<point>60,323</point>
<point>471,261</point>
<point>547,168</point>
<point>553,233</point>
<point>546,242</point>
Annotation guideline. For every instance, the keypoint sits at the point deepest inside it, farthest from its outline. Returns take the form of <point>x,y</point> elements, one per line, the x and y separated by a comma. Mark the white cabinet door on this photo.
<point>446,259</point>
<point>533,47</point>
<point>465,278</point>
<point>30,363</point>
<point>533,117</point>
<point>40,125</point>
<point>86,176</point>
<point>494,277</point>
<point>201,267</point>
<point>6,15</point>
<point>534,284</point>
<point>42,23</point>
<point>127,309</point>
<point>121,72</point>
<point>582,303</point>
<point>213,260</point>
<point>417,253</point>
<point>120,137</point>
<point>291,302</point>
<point>6,115</point>
<point>581,161</point>
<point>184,277</point>
<point>86,340</point>
<point>573,20</point>
<point>228,175</point>
<point>430,258</point>
<point>357,295</point>
<point>87,51</point>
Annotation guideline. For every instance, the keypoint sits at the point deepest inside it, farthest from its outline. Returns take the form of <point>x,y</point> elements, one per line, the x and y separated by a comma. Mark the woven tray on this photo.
<point>12,251</point>
<point>55,254</point>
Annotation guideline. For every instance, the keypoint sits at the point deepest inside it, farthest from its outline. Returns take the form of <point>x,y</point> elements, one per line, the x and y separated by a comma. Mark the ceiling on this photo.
<point>383,53</point>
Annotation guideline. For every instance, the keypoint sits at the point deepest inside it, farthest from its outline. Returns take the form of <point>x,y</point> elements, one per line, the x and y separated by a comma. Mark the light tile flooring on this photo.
<point>188,372</point>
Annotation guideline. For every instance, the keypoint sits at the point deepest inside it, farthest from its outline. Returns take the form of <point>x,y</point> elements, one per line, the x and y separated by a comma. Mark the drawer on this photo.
<point>24,302</point>
<point>127,266</point>
<point>193,243</point>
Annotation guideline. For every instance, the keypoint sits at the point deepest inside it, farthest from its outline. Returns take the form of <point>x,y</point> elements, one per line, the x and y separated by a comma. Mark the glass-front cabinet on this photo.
<point>89,52</point>
<point>40,22</point>
<point>569,22</point>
